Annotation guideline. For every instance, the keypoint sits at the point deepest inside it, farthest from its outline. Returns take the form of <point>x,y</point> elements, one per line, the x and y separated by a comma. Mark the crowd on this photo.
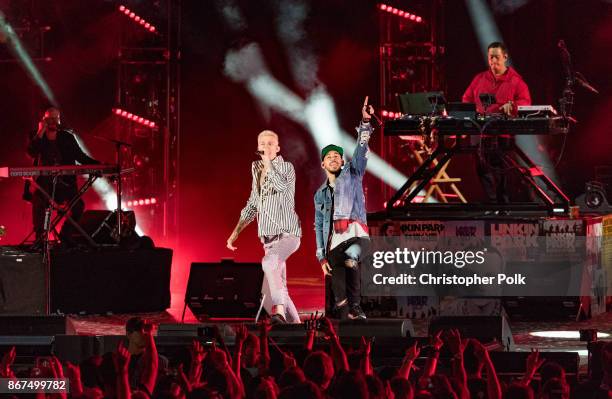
<point>257,367</point>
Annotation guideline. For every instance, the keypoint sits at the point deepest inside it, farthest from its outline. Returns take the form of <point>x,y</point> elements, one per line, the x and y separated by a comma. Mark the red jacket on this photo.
<point>507,87</point>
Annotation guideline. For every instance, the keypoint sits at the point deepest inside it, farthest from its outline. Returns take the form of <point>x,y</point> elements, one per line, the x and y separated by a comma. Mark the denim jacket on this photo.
<point>349,200</point>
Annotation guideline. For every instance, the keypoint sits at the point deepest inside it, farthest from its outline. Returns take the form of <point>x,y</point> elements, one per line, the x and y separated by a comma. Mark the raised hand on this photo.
<point>9,357</point>
<point>42,128</point>
<point>327,327</point>
<point>288,360</point>
<point>197,352</point>
<point>365,346</point>
<point>121,358</point>
<point>264,326</point>
<point>241,333</point>
<point>454,342</point>
<point>480,351</point>
<point>56,366</point>
<point>366,110</point>
<point>412,353</point>
<point>436,341</point>
<point>311,324</point>
<point>533,362</point>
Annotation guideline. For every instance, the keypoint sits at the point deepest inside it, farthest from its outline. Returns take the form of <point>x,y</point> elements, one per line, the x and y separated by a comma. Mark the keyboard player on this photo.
<point>510,91</point>
<point>52,145</point>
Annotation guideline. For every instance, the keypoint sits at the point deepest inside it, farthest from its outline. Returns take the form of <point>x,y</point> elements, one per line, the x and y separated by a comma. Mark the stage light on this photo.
<point>137,18</point>
<point>317,113</point>
<point>132,117</point>
<point>400,13</point>
<point>142,202</point>
<point>566,334</point>
<point>16,47</point>
<point>390,114</point>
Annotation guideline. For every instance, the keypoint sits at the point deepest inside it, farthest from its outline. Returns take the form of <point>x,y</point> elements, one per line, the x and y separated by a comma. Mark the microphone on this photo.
<point>259,152</point>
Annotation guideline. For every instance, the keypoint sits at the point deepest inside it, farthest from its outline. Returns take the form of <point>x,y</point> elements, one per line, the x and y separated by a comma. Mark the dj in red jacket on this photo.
<point>510,91</point>
<point>502,81</point>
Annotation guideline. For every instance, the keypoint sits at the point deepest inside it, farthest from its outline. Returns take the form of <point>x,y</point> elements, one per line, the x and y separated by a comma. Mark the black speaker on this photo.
<point>486,329</point>
<point>22,282</point>
<point>545,307</point>
<point>101,225</point>
<point>111,280</point>
<point>33,325</point>
<point>223,290</point>
<point>76,348</point>
<point>594,199</point>
<point>514,362</point>
<point>376,328</point>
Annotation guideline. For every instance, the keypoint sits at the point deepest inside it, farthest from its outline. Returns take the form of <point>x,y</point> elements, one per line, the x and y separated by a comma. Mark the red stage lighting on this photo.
<point>141,202</point>
<point>400,13</point>
<point>132,117</point>
<point>390,114</point>
<point>137,18</point>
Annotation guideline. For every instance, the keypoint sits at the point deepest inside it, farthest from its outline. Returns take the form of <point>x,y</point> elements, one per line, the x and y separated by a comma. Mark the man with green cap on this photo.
<point>340,220</point>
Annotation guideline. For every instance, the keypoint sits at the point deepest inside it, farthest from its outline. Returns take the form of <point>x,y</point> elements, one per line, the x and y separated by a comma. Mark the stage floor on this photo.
<point>308,295</point>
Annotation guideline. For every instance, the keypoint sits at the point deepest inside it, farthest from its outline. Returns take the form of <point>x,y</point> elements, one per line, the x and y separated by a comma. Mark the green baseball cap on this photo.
<point>331,147</point>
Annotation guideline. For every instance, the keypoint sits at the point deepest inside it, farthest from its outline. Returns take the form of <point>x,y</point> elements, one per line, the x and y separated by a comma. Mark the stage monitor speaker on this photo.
<point>376,328</point>
<point>557,308</point>
<point>76,348</point>
<point>224,290</point>
<point>486,329</point>
<point>101,225</point>
<point>39,325</point>
<point>514,362</point>
<point>22,282</point>
<point>111,280</point>
<point>594,199</point>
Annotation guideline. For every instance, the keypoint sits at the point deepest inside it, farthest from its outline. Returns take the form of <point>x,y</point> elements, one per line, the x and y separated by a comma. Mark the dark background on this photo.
<point>220,119</point>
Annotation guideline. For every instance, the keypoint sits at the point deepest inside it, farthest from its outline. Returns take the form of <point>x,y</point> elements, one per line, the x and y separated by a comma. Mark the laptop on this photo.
<point>425,103</point>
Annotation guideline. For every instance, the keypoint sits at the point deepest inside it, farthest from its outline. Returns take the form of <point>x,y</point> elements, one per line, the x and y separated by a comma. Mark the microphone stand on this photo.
<point>571,78</point>
<point>118,145</point>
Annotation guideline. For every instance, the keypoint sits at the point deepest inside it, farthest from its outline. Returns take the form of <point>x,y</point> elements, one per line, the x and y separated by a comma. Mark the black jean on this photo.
<point>492,170</point>
<point>346,281</point>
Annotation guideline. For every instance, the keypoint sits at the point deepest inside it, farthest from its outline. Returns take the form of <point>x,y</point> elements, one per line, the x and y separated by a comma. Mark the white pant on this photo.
<point>275,275</point>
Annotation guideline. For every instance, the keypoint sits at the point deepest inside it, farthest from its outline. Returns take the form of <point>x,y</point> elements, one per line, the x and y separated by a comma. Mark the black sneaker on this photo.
<point>356,313</point>
<point>277,318</point>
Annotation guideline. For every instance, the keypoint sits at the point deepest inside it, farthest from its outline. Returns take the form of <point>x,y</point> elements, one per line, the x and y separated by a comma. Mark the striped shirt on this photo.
<point>274,202</point>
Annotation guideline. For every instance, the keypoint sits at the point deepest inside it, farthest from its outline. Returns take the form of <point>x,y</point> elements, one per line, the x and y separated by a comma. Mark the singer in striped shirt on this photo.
<point>272,202</point>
